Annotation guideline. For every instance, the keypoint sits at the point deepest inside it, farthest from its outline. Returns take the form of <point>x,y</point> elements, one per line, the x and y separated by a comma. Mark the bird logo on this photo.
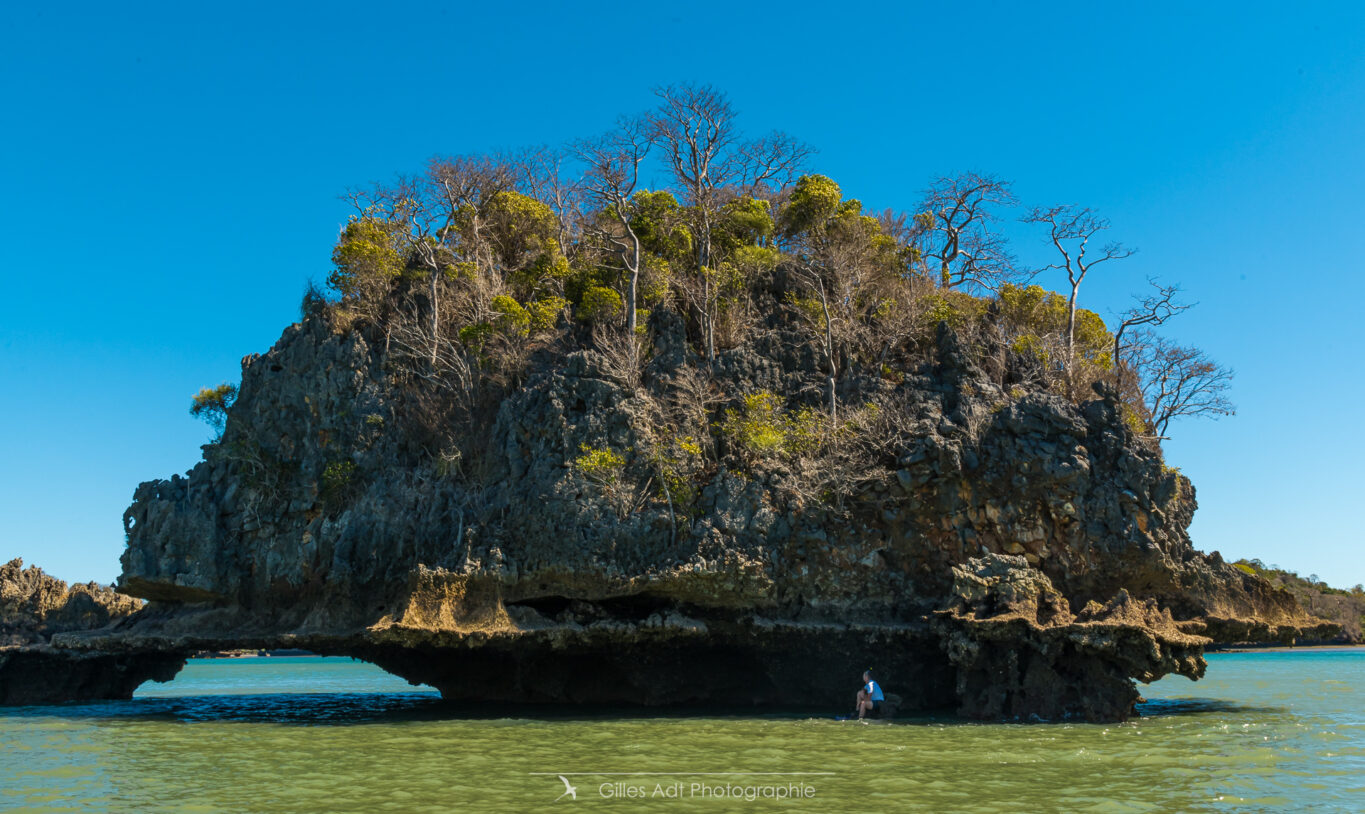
<point>570,791</point>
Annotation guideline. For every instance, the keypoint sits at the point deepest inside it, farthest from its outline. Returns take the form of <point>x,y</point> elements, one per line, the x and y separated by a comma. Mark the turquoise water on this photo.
<point>1270,731</point>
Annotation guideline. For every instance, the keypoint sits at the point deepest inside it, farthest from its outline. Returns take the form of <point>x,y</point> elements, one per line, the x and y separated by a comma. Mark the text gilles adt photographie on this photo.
<point>700,790</point>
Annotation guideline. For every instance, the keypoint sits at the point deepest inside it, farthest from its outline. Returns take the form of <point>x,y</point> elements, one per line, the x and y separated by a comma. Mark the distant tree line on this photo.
<point>1345,607</point>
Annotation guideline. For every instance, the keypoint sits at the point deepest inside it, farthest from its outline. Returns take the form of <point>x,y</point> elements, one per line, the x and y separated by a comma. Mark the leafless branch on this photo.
<point>613,175</point>
<point>957,233</point>
<point>1150,311</point>
<point>1070,230</point>
<point>1178,381</point>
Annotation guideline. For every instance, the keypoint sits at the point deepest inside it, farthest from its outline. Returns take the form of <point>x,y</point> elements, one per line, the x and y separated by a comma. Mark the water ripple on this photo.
<point>1263,734</point>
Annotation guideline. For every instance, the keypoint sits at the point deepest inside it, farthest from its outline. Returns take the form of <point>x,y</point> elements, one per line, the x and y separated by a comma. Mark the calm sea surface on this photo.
<point>1270,731</point>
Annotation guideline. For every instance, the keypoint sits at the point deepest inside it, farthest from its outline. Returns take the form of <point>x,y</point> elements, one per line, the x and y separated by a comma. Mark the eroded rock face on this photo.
<point>319,522</point>
<point>34,608</point>
<point>1020,653</point>
<point>34,605</point>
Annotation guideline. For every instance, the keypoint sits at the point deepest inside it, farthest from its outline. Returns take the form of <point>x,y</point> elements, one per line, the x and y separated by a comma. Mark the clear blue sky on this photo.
<point>170,174</point>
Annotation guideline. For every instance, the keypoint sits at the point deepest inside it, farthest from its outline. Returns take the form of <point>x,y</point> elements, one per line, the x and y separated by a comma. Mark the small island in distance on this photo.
<point>552,435</point>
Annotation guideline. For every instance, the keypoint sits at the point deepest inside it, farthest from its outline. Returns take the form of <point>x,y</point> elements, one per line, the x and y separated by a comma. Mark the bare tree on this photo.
<point>770,162</point>
<point>1150,311</point>
<point>695,126</point>
<point>407,202</point>
<point>459,186</point>
<point>1071,229</point>
<point>813,278</point>
<point>897,225</point>
<point>1178,381</point>
<point>957,234</point>
<point>841,263</point>
<point>442,213</point>
<point>463,186</point>
<point>907,318</point>
<point>541,174</point>
<point>620,351</point>
<point>709,162</point>
<point>693,398</point>
<point>613,174</point>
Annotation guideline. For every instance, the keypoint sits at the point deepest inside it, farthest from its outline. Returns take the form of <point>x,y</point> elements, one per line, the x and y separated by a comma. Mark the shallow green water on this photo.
<point>1263,732</point>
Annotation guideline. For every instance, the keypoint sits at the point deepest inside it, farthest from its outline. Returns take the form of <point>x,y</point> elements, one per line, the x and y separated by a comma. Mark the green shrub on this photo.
<point>461,271</point>
<point>656,280</point>
<point>337,483</point>
<point>805,431</point>
<point>211,404</point>
<point>1032,346</point>
<point>600,305</point>
<point>763,429</point>
<point>815,199</point>
<point>368,255</point>
<point>743,223</point>
<point>956,308</point>
<point>1032,308</point>
<point>511,319</point>
<point>545,313</point>
<point>758,428</point>
<point>519,227</point>
<point>1037,312</point>
<point>1133,420</point>
<point>474,336</point>
<point>550,265</point>
<point>1093,340</point>
<point>679,460</point>
<point>600,465</point>
<point>659,222</point>
<point>810,308</point>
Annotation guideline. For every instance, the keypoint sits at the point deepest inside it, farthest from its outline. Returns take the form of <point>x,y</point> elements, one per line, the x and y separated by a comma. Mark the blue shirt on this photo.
<point>874,692</point>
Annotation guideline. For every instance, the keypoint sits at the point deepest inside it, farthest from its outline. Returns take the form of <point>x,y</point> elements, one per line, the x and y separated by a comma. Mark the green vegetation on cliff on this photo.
<point>466,269</point>
<point>211,404</point>
<point>1345,608</point>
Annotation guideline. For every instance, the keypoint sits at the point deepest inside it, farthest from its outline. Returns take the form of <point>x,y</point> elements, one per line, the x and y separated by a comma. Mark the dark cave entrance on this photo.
<point>816,668</point>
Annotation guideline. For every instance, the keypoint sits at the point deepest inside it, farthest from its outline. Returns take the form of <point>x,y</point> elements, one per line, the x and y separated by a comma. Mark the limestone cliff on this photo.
<point>324,518</point>
<point>1019,651</point>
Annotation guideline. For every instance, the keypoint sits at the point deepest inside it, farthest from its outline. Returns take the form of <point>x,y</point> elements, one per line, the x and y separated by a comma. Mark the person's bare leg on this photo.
<point>863,703</point>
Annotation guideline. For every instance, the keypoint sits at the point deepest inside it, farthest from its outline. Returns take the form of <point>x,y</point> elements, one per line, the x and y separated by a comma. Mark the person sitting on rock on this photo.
<point>870,697</point>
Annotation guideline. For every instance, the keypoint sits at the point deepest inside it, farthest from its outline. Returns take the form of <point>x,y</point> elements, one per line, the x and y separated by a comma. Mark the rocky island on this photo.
<point>722,444</point>
<point>939,566</point>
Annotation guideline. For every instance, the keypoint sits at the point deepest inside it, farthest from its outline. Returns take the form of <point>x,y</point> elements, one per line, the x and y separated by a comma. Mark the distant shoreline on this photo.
<point>1233,648</point>
<point>1326,647</point>
<point>231,655</point>
<point>1281,648</point>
